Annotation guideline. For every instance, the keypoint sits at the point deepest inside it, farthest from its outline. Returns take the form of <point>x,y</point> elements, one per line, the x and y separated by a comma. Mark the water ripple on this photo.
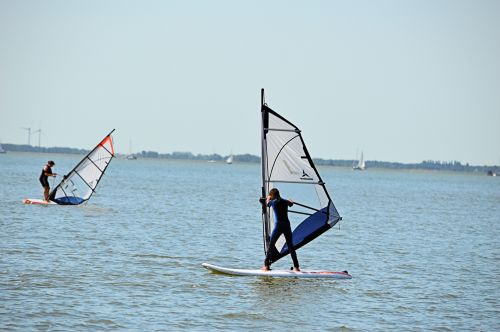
<point>419,261</point>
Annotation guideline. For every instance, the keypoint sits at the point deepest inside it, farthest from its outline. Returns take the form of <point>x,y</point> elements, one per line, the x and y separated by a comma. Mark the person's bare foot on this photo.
<point>265,268</point>
<point>296,269</point>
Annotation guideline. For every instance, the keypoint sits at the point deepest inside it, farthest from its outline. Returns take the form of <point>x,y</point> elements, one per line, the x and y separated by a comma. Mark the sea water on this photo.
<point>423,248</point>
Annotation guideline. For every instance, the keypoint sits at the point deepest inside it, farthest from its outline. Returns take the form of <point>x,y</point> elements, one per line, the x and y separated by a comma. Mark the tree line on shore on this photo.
<point>426,164</point>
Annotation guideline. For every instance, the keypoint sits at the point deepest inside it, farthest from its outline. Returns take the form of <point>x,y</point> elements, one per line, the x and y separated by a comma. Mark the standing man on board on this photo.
<point>44,179</point>
<point>281,226</point>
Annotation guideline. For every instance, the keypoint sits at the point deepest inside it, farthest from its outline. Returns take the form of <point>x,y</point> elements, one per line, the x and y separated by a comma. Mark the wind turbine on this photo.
<point>39,131</point>
<point>29,134</point>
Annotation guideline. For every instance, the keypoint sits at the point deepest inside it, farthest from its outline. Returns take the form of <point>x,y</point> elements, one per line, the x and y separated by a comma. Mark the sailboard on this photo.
<point>278,273</point>
<point>80,183</point>
<point>287,165</point>
<point>36,201</point>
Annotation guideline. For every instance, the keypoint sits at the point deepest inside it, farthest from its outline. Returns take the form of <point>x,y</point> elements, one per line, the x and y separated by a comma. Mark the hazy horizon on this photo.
<point>224,156</point>
<point>401,81</point>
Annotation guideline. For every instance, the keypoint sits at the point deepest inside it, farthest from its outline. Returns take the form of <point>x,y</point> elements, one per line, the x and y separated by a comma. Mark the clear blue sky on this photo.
<point>401,80</point>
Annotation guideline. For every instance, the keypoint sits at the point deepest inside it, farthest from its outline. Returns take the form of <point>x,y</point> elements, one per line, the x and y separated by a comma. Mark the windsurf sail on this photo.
<point>79,185</point>
<point>287,165</point>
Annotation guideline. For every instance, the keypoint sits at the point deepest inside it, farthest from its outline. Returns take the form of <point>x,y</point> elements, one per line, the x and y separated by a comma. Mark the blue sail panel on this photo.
<point>309,229</point>
<point>69,200</point>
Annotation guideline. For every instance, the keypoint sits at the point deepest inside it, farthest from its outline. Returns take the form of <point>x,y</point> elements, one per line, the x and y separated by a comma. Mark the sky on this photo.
<point>402,81</point>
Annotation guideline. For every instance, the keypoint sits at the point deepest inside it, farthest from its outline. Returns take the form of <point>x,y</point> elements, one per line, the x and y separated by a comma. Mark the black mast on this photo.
<point>265,217</point>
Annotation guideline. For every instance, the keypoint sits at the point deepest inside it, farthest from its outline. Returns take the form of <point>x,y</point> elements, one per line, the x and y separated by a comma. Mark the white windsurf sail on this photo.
<point>78,185</point>
<point>287,165</point>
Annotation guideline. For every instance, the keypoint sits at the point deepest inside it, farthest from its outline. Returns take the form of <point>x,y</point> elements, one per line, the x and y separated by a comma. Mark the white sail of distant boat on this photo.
<point>361,164</point>
<point>78,185</point>
<point>287,163</point>
<point>230,159</point>
<point>2,150</point>
<point>131,156</point>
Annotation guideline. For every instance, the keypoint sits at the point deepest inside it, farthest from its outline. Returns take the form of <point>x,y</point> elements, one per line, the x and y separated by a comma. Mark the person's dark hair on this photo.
<point>51,163</point>
<point>274,193</point>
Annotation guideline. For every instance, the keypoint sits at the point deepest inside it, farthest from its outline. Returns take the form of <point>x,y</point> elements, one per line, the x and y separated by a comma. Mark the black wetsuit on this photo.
<point>44,179</point>
<point>281,226</point>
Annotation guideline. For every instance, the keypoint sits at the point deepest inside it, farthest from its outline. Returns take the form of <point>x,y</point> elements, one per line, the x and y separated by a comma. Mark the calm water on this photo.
<point>423,248</point>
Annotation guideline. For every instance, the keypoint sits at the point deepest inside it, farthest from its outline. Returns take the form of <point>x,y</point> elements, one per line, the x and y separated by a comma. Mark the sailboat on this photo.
<point>80,183</point>
<point>130,156</point>
<point>230,159</point>
<point>2,150</point>
<point>361,164</point>
<point>287,164</point>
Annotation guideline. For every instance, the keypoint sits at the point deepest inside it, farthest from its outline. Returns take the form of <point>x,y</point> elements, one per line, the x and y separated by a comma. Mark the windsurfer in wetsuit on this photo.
<point>44,179</point>
<point>281,226</point>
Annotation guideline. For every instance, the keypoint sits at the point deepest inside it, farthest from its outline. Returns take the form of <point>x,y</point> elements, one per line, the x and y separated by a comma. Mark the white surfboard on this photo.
<point>37,201</point>
<point>278,273</point>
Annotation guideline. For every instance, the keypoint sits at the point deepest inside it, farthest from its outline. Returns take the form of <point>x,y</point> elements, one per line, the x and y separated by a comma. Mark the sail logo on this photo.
<point>296,172</point>
<point>305,176</point>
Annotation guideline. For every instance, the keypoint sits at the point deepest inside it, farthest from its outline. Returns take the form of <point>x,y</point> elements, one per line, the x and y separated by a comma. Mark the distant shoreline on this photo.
<point>455,166</point>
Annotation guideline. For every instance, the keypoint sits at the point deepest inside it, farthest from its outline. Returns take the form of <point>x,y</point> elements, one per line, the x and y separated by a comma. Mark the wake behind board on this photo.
<point>278,273</point>
<point>36,201</point>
